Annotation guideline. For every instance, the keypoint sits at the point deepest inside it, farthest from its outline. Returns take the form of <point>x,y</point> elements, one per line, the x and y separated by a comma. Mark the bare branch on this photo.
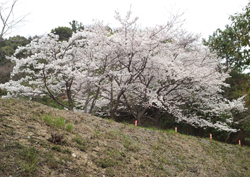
<point>7,19</point>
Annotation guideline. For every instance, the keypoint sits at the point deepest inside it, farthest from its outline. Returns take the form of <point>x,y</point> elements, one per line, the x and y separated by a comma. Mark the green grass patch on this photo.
<point>51,161</point>
<point>57,122</point>
<point>81,143</point>
<point>110,158</point>
<point>29,157</point>
<point>57,148</point>
<point>130,144</point>
<point>69,127</point>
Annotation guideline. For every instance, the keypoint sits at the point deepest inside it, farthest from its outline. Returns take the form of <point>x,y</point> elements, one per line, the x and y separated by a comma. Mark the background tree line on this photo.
<point>232,45</point>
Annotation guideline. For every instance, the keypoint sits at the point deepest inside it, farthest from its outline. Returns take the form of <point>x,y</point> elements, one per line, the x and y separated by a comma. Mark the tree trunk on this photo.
<point>158,121</point>
<point>86,103</point>
<point>69,95</point>
<point>94,100</point>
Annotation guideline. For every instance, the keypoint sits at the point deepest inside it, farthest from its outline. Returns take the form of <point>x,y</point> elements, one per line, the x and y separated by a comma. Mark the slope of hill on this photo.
<point>36,140</point>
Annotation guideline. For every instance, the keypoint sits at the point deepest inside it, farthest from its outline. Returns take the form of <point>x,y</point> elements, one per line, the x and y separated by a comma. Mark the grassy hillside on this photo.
<point>36,140</point>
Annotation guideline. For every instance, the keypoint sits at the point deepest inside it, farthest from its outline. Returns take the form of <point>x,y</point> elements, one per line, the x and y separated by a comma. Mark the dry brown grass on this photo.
<point>97,147</point>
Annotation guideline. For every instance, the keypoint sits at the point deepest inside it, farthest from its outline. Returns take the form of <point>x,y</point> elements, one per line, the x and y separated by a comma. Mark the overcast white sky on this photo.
<point>202,16</point>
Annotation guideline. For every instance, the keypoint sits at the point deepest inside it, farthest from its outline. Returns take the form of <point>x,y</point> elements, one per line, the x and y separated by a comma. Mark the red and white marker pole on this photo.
<point>239,143</point>
<point>136,123</point>
<point>210,136</point>
<point>175,129</point>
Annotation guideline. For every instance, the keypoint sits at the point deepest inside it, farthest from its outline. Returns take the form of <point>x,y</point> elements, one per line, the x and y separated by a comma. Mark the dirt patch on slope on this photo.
<point>92,146</point>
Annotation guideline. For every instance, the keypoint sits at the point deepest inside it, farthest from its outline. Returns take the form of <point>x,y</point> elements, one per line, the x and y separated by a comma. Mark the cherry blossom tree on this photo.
<point>132,70</point>
<point>51,68</point>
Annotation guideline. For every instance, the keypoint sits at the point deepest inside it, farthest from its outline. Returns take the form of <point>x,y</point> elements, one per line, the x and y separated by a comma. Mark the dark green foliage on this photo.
<point>75,26</point>
<point>239,86</point>
<point>49,102</point>
<point>64,33</point>
<point>225,44</point>
<point>233,42</point>
<point>3,92</point>
<point>7,48</point>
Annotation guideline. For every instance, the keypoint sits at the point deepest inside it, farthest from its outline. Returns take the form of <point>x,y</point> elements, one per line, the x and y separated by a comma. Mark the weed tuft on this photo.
<point>30,156</point>
<point>129,144</point>
<point>69,127</point>
<point>57,122</point>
